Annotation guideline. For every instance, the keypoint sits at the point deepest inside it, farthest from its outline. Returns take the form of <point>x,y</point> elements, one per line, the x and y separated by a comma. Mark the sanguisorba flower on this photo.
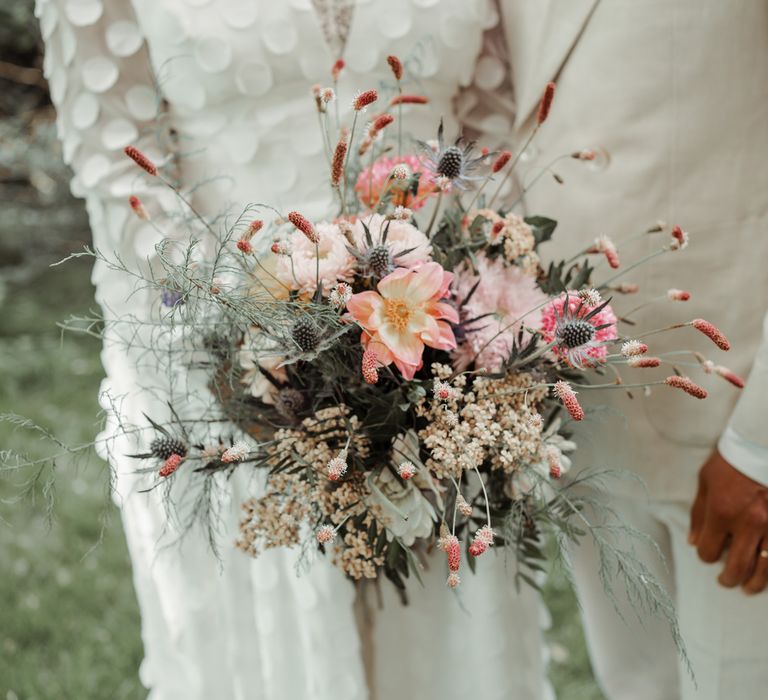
<point>405,314</point>
<point>581,332</point>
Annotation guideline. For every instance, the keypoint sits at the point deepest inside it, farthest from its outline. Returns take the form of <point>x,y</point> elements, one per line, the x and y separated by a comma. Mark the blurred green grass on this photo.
<point>69,623</point>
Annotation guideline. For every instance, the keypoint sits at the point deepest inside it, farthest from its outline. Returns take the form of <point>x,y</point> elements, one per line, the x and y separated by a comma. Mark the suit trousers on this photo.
<point>724,630</point>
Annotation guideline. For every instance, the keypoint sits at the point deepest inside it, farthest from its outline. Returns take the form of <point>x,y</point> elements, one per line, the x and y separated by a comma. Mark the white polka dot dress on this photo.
<point>220,89</point>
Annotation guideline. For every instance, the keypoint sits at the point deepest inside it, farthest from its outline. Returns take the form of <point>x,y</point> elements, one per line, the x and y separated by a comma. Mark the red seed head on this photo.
<point>255,226</point>
<point>409,100</point>
<point>712,332</point>
<point>364,99</point>
<point>567,396</point>
<point>337,68</point>
<point>612,256</point>
<point>138,207</point>
<point>303,225</point>
<point>546,103</point>
<point>679,238</point>
<point>453,550</point>
<point>140,159</point>
<point>171,465</point>
<point>381,122</point>
<point>643,361</point>
<point>370,367</point>
<point>501,161</point>
<point>687,385</point>
<point>477,548</point>
<point>337,165</point>
<point>396,66</point>
<point>678,295</point>
<point>732,377</point>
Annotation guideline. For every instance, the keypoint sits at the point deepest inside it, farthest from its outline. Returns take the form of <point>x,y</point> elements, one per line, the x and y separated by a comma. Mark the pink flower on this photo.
<point>401,236</point>
<point>563,324</point>
<point>687,385</point>
<point>171,465</point>
<point>712,332</point>
<point>567,395</point>
<point>504,295</point>
<point>405,315</point>
<point>373,181</point>
<point>299,271</point>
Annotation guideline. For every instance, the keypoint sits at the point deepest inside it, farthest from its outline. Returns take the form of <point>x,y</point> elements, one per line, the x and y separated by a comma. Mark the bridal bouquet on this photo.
<point>403,373</point>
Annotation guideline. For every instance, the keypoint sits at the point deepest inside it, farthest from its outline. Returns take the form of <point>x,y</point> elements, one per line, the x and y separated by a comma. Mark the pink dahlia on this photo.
<point>401,237</point>
<point>581,331</point>
<point>373,181</point>
<point>405,314</point>
<point>505,299</point>
<point>299,270</point>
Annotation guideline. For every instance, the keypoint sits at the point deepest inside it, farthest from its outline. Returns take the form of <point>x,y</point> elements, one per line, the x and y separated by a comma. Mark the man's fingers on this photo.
<point>697,512</point>
<point>711,540</point>
<point>759,579</point>
<point>740,563</point>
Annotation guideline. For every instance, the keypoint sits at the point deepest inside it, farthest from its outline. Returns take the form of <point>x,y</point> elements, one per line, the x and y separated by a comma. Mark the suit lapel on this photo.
<point>557,26</point>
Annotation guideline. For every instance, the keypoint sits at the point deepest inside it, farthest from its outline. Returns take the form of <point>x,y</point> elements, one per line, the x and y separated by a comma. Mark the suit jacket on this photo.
<point>676,92</point>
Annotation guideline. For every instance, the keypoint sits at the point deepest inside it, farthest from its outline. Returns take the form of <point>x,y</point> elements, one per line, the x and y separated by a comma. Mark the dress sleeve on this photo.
<point>104,92</point>
<point>486,107</point>
<point>744,444</point>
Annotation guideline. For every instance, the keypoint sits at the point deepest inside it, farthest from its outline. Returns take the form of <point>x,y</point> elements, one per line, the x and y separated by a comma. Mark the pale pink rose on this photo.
<point>373,181</point>
<point>507,294</point>
<point>401,236</point>
<point>405,315</point>
<point>299,269</point>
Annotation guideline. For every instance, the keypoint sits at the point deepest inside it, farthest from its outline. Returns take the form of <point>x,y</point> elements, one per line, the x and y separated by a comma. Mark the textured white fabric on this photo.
<point>659,87</point>
<point>745,441</point>
<point>723,629</point>
<point>232,78</point>
<point>750,459</point>
<point>673,95</point>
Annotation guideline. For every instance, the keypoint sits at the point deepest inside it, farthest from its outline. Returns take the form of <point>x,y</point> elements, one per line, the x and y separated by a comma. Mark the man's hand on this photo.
<point>731,511</point>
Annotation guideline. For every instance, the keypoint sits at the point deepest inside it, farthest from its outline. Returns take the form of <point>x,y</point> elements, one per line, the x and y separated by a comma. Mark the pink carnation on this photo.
<point>505,292</point>
<point>552,321</point>
<point>299,270</point>
<point>373,181</point>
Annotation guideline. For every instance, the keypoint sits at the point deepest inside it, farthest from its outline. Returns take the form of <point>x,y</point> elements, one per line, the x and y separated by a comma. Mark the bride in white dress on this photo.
<point>231,79</point>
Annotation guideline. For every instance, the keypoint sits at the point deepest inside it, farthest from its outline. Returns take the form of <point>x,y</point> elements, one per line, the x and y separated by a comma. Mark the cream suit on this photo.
<point>677,93</point>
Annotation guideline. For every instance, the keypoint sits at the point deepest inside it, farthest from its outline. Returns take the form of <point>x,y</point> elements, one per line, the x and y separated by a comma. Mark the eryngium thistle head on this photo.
<point>379,260</point>
<point>305,334</point>
<point>451,162</point>
<point>163,447</point>
<point>575,333</point>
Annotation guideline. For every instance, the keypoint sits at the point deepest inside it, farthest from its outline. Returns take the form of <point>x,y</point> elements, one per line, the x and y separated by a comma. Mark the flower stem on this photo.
<point>434,215</point>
